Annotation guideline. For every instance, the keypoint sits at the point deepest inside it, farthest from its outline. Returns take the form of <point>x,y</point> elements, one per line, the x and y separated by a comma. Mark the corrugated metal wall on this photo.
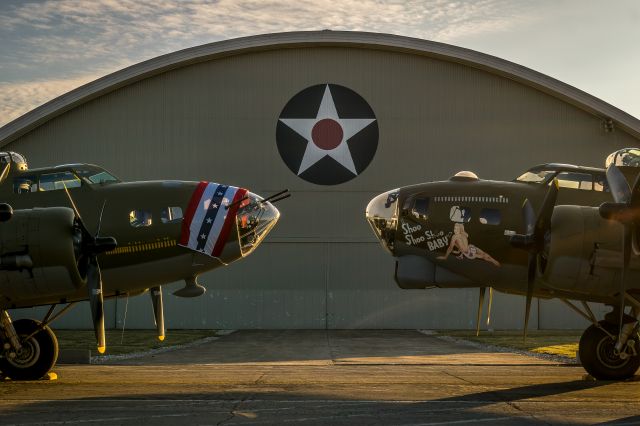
<point>321,267</point>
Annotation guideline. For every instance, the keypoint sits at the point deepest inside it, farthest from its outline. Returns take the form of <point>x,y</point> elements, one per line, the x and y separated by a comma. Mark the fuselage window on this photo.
<point>57,181</point>
<point>420,208</point>
<point>490,217</point>
<point>575,180</point>
<point>25,184</point>
<point>140,218</point>
<point>460,214</point>
<point>171,215</point>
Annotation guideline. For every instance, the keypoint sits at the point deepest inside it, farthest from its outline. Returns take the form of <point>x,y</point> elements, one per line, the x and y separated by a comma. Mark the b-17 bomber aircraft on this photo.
<point>75,232</point>
<point>557,231</point>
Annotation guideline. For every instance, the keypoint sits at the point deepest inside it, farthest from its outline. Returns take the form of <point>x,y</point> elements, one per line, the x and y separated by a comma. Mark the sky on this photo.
<point>49,47</point>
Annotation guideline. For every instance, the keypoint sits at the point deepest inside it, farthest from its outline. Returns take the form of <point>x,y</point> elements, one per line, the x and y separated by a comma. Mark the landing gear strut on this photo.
<point>29,348</point>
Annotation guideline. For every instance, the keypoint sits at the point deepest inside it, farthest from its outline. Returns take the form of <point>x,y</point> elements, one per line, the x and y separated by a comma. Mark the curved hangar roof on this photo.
<point>134,73</point>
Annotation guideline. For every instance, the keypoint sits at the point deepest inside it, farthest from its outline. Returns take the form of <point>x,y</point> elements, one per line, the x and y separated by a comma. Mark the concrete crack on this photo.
<point>232,411</point>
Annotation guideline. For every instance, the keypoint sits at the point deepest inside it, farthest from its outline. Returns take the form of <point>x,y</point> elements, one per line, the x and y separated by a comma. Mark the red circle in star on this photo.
<point>327,134</point>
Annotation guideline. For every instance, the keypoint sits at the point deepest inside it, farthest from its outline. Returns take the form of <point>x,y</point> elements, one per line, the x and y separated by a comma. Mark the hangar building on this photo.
<point>231,112</point>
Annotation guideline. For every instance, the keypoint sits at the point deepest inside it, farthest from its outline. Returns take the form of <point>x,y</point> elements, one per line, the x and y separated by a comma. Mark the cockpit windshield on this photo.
<point>535,176</point>
<point>95,175</point>
<point>255,218</point>
<point>382,215</point>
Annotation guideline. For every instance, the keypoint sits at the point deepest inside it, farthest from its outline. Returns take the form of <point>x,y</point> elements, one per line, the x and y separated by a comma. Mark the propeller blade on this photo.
<point>529,217</point>
<point>104,203</point>
<point>480,304</point>
<point>531,279</point>
<point>635,193</point>
<point>618,184</point>
<point>94,286</point>
<point>489,306</point>
<point>544,216</point>
<point>626,257</point>
<point>158,310</point>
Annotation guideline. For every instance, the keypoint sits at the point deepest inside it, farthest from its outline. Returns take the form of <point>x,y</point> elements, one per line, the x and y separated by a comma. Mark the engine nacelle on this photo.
<point>584,253</point>
<point>37,254</point>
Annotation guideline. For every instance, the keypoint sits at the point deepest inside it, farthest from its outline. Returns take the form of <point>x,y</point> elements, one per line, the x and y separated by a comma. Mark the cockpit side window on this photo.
<point>420,208</point>
<point>575,180</point>
<point>57,181</point>
<point>460,214</point>
<point>96,176</point>
<point>140,218</point>
<point>535,176</point>
<point>490,217</point>
<point>171,215</point>
<point>600,183</point>
<point>24,184</point>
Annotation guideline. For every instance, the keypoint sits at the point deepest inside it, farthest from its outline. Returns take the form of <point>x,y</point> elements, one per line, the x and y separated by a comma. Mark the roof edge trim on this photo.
<point>51,109</point>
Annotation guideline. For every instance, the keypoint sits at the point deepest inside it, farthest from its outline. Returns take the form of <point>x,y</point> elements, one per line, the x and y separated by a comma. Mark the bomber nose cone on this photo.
<point>382,215</point>
<point>255,219</point>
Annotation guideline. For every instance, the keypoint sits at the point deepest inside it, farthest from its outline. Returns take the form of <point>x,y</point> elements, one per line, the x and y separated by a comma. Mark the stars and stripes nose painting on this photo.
<point>208,219</point>
<point>327,134</point>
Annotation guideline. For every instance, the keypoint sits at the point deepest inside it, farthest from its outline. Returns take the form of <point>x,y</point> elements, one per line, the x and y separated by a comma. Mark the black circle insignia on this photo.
<point>327,134</point>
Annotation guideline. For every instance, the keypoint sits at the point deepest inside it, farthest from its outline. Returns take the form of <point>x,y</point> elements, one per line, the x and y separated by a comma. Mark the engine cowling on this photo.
<point>583,253</point>
<point>38,254</point>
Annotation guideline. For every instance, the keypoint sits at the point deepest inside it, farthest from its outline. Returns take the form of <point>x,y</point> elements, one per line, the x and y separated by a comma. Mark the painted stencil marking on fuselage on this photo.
<point>469,199</point>
<point>138,247</point>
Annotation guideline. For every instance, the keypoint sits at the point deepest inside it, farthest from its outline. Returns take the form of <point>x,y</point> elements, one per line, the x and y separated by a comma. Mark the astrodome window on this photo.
<point>629,157</point>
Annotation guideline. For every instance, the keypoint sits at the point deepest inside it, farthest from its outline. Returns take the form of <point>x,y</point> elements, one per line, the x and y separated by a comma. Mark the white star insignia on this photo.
<point>214,206</point>
<point>313,153</point>
<point>203,236</point>
<point>209,220</point>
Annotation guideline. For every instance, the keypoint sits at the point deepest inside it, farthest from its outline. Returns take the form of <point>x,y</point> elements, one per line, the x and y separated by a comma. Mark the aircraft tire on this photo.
<point>37,356</point>
<point>598,358</point>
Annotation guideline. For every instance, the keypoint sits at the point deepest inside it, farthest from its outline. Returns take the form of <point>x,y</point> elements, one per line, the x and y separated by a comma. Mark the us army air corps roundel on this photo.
<point>327,134</point>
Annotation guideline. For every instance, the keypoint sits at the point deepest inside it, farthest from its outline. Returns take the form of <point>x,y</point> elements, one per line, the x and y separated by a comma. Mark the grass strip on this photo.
<point>129,342</point>
<point>554,342</point>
